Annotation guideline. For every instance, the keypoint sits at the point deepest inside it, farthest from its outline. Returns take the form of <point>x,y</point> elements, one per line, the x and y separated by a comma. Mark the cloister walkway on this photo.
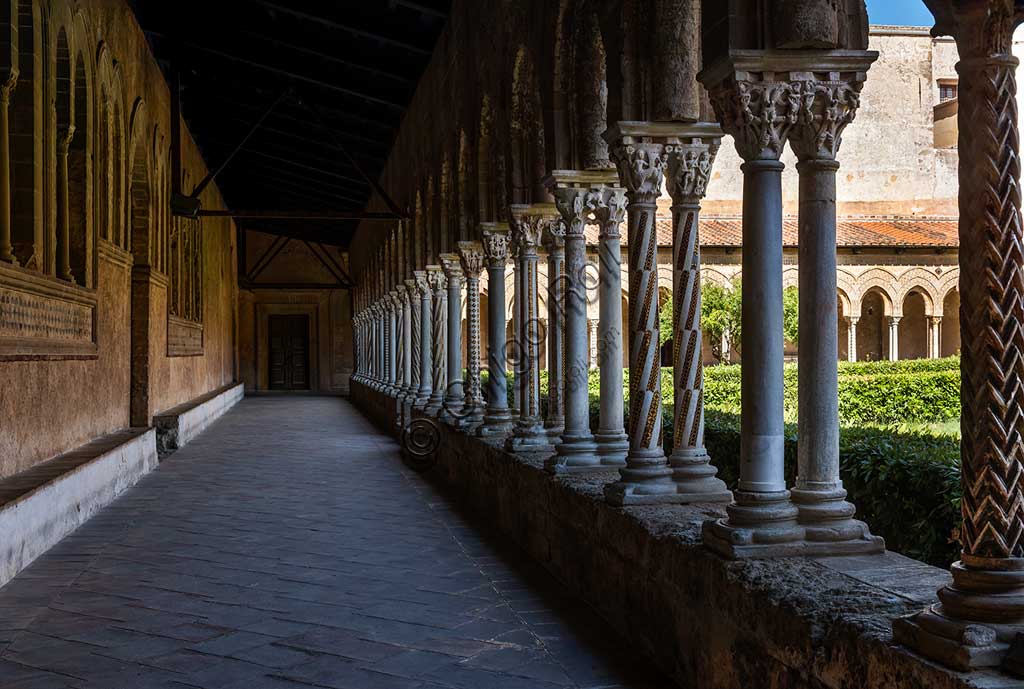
<point>289,547</point>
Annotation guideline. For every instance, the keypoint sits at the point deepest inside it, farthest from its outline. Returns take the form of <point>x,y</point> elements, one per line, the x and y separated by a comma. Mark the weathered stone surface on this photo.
<point>798,623</point>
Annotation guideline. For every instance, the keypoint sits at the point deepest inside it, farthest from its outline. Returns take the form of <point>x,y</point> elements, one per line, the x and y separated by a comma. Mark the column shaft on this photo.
<point>426,370</point>
<point>497,418</point>
<point>63,207</point>
<point>555,243</point>
<point>851,336</point>
<point>439,349</point>
<point>454,397</point>
<point>612,441</point>
<point>471,255</point>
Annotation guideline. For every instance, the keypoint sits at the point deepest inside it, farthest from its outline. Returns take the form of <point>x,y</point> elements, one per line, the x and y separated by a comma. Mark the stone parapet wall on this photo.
<point>799,623</point>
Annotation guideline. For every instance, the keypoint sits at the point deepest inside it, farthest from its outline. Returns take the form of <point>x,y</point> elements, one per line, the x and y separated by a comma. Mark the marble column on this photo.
<point>592,339</point>
<point>415,313</point>
<point>528,224</point>
<point>851,338</point>
<point>894,338</point>
<point>935,339</point>
<point>608,208</point>
<point>824,512</point>
<point>6,246</point>
<point>514,349</point>
<point>758,107</point>
<point>647,477</point>
<point>64,137</point>
<point>554,243</point>
<point>473,260</point>
<point>426,365</point>
<point>980,615</point>
<point>404,344</point>
<point>393,304</point>
<point>691,155</point>
<point>439,332</point>
<point>577,450</point>
<point>497,417</point>
<point>454,397</point>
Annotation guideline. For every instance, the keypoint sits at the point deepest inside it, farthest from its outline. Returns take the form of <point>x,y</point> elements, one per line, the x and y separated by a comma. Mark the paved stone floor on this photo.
<point>288,547</point>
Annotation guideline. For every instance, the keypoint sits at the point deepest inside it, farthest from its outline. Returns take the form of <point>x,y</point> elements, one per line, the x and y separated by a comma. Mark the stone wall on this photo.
<point>52,400</point>
<point>708,623</point>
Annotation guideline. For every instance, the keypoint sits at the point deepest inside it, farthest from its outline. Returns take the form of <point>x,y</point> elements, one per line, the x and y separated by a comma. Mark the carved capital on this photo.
<point>64,137</point>
<point>422,285</point>
<point>527,229</point>
<point>570,202</point>
<point>496,245</point>
<point>826,107</point>
<point>689,169</point>
<point>607,208</point>
<point>452,267</point>
<point>438,282</point>
<point>412,289</point>
<point>641,166</point>
<point>472,257</point>
<point>7,87</point>
<point>554,237</point>
<point>757,113</point>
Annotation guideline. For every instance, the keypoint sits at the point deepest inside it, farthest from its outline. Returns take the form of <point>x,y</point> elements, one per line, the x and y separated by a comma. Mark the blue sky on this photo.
<point>906,12</point>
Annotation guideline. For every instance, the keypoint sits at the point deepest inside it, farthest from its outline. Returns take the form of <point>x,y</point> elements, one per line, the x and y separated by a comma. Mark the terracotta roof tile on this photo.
<point>728,231</point>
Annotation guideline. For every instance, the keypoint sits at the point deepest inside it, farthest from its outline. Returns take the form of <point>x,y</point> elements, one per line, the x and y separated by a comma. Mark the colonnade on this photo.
<point>803,98</point>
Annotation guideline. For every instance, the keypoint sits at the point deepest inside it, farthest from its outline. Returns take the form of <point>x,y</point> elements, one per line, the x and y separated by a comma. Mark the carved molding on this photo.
<point>496,245</point>
<point>641,166</point>
<point>471,255</point>
<point>689,170</point>
<point>452,267</point>
<point>606,208</point>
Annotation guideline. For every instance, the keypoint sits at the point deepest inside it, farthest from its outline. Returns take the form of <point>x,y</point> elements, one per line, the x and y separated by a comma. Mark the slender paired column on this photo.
<point>819,495</point>
<point>438,333</point>
<point>6,246</point>
<point>454,397</point>
<point>554,241</point>
<point>982,611</point>
<point>894,338</point>
<point>64,137</point>
<point>935,339</point>
<point>647,477</point>
<point>528,225</point>
<point>851,338</point>
<point>691,155</point>
<point>393,336</point>
<point>471,255</point>
<point>415,335</point>
<point>426,369</point>
<point>608,208</point>
<point>497,418</point>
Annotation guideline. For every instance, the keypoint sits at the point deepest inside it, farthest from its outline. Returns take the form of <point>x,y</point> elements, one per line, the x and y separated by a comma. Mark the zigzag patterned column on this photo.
<point>414,340</point>
<point>691,155</point>
<point>472,257</point>
<point>982,611</point>
<point>438,332</point>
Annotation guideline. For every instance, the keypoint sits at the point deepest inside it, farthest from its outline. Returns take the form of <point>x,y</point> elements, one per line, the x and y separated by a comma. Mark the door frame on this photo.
<point>295,318</point>
<point>263,313</point>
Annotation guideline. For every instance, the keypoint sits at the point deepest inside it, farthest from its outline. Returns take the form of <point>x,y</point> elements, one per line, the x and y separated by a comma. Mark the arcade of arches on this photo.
<point>541,198</point>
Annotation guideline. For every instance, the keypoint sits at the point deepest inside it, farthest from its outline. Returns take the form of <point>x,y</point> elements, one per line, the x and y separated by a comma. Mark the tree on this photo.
<point>665,322</point>
<point>721,314</point>
<point>790,315</point>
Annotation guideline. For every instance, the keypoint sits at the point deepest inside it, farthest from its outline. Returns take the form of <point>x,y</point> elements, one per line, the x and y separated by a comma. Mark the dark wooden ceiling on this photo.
<point>348,69</point>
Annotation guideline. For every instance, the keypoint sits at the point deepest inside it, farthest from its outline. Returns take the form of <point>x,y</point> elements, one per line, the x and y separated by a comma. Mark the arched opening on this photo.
<point>26,145</point>
<point>949,330</point>
<point>484,195</point>
<point>913,327</point>
<point>872,329</point>
<point>844,329</point>
<point>78,177</point>
<point>528,163</point>
<point>141,235</point>
<point>591,91</point>
<point>465,201</point>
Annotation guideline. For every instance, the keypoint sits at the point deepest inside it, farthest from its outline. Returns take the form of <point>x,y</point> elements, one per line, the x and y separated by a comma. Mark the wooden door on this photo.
<point>289,352</point>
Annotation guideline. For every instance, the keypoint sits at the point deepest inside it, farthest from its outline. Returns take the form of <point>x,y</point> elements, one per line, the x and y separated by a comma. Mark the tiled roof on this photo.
<point>865,232</point>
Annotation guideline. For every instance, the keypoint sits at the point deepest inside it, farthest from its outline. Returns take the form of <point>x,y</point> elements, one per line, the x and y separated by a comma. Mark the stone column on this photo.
<point>514,349</point>
<point>647,477</point>
<point>554,242</point>
<point>894,338</point>
<point>757,108</point>
<point>608,208</point>
<point>6,247</point>
<point>393,343</point>
<point>824,512</point>
<point>528,223</point>
<point>935,339</point>
<point>577,450</point>
<point>851,338</point>
<point>691,154</point>
<point>426,370</point>
<point>64,137</point>
<point>439,331</point>
<point>497,418</point>
<point>981,613</point>
<point>592,335</point>
<point>415,313</point>
<point>454,396</point>
<point>472,258</point>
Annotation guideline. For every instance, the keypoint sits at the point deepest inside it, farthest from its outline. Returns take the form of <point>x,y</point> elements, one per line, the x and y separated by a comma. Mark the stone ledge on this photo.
<point>179,425</point>
<point>797,623</point>
<point>40,506</point>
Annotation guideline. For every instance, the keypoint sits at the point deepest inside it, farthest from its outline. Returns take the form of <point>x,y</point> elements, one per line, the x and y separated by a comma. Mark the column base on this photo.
<point>963,646</point>
<point>421,401</point>
<point>576,454</point>
<point>613,444</point>
<point>555,427</point>
<point>695,477</point>
<point>645,480</point>
<point>496,423</point>
<point>827,517</point>
<point>434,404</point>
<point>451,410</point>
